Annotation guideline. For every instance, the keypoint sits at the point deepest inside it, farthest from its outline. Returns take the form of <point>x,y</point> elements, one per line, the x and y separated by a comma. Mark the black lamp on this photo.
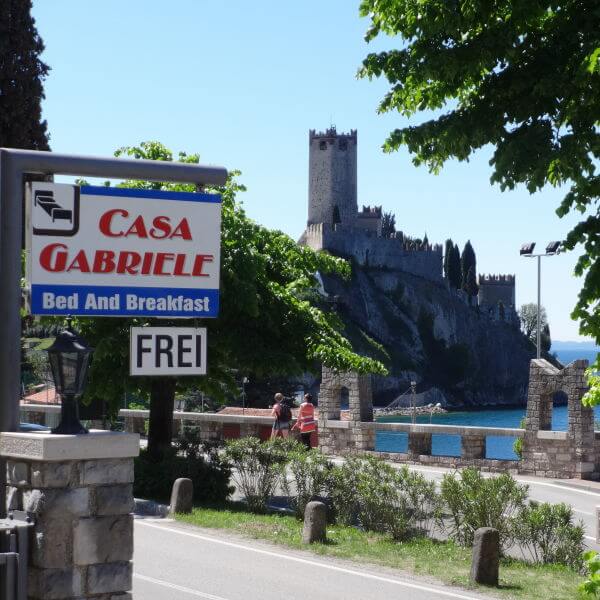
<point>69,358</point>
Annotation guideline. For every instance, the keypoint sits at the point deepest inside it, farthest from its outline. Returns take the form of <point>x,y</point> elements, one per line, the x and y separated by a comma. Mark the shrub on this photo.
<point>307,477</point>
<point>547,533</point>
<point>381,498</point>
<point>518,443</point>
<point>257,467</point>
<point>197,461</point>
<point>591,586</point>
<point>475,501</point>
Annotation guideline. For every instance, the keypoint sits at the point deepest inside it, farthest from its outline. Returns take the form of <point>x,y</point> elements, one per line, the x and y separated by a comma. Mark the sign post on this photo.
<point>56,216</point>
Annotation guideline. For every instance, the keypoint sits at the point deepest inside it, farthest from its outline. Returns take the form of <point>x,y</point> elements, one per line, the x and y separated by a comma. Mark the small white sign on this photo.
<point>167,351</point>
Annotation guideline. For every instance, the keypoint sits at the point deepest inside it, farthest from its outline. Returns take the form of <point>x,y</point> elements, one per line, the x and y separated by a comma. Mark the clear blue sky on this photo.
<point>242,83</point>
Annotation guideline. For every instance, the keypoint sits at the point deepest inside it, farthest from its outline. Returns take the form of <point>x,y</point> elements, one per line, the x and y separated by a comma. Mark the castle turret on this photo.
<point>497,288</point>
<point>332,178</point>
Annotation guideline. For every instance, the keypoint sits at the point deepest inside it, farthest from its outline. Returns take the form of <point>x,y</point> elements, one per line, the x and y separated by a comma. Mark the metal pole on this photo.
<point>13,165</point>
<point>539,307</point>
<point>413,401</point>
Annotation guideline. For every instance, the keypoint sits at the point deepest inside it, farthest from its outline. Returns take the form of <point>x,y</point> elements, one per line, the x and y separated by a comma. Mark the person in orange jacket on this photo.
<point>306,420</point>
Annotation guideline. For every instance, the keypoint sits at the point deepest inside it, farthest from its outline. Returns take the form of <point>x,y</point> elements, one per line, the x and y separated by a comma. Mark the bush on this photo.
<point>475,501</point>
<point>257,467</point>
<point>518,443</point>
<point>381,498</point>
<point>308,477</point>
<point>591,586</point>
<point>546,532</point>
<point>197,461</point>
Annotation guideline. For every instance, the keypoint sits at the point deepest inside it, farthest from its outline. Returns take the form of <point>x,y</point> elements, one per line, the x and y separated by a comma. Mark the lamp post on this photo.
<point>552,249</point>
<point>413,401</point>
<point>69,358</point>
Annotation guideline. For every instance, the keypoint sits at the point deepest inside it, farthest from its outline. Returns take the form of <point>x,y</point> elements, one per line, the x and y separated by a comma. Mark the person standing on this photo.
<point>306,420</point>
<point>283,416</point>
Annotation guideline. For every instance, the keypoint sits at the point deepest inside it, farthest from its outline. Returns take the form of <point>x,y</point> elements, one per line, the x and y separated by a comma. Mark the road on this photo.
<point>174,560</point>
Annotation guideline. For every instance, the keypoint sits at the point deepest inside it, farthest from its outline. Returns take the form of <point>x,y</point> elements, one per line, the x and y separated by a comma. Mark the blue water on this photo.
<point>449,445</point>
<point>496,447</point>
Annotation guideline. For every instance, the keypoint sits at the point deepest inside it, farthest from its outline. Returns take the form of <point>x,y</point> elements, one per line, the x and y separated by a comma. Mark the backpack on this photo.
<point>285,412</point>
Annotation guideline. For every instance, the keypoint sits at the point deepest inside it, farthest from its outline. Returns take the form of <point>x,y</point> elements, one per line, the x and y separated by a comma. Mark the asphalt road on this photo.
<point>173,560</point>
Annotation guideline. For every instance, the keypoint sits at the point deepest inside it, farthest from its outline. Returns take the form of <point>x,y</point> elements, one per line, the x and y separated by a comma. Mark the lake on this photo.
<point>497,447</point>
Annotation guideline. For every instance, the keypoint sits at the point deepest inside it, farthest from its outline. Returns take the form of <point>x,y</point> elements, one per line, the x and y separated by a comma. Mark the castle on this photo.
<point>335,224</point>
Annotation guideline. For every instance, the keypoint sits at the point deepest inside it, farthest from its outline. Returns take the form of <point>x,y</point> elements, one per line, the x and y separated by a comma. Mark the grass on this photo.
<point>444,561</point>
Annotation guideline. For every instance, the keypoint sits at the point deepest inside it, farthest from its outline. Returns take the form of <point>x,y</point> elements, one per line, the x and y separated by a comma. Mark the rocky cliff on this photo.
<point>426,332</point>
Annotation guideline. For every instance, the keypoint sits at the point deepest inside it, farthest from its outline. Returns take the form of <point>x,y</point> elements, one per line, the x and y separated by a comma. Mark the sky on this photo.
<point>242,83</point>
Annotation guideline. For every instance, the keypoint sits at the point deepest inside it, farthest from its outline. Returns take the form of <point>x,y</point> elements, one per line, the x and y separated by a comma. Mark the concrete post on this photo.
<point>472,446</point>
<point>315,523</point>
<point>486,556</point>
<point>79,490</point>
<point>182,496</point>
<point>419,443</point>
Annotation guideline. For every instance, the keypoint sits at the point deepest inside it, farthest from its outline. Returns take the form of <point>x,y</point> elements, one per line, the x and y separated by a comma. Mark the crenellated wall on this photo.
<point>371,251</point>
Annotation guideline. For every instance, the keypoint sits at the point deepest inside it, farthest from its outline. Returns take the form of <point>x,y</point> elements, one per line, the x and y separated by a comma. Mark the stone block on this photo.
<point>52,543</point>
<point>109,578</point>
<point>182,496</point>
<point>14,498</point>
<point>103,540</point>
<point>17,473</point>
<point>315,523</point>
<point>54,584</point>
<point>51,474</point>
<point>486,556</point>
<point>106,472</point>
<point>70,502</point>
<point>114,500</point>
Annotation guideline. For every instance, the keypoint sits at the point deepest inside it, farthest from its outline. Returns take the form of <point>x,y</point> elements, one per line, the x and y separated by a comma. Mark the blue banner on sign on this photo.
<point>110,301</point>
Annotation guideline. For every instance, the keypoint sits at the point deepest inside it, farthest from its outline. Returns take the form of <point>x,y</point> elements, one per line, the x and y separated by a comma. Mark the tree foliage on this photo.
<point>269,321</point>
<point>21,76</point>
<point>388,224</point>
<point>523,77</point>
<point>468,262</point>
<point>452,268</point>
<point>528,319</point>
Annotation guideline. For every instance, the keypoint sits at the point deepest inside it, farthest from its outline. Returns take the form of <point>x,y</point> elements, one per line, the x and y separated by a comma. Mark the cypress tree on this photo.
<point>448,249</point>
<point>467,261</point>
<point>454,275</point>
<point>471,286</point>
<point>21,77</point>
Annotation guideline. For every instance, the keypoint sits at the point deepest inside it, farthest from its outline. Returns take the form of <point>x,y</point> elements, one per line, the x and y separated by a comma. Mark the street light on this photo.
<point>69,358</point>
<point>552,249</point>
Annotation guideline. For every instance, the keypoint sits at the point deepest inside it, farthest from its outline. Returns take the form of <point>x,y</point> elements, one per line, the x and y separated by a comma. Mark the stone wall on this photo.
<point>78,489</point>
<point>369,250</point>
<point>497,288</point>
<point>553,453</point>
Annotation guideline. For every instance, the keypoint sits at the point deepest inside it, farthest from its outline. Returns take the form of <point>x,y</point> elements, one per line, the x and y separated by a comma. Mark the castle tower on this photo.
<point>497,288</point>
<point>332,178</point>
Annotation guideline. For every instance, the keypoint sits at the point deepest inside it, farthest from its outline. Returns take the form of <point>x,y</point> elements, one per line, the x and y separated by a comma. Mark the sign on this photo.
<point>167,351</point>
<point>102,251</point>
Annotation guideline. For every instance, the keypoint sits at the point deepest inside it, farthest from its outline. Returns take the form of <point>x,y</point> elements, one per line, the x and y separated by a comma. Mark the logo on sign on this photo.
<point>56,211</point>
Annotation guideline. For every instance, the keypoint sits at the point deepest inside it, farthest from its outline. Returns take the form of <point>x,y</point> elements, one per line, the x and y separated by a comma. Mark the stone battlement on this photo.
<point>332,133</point>
<point>497,279</point>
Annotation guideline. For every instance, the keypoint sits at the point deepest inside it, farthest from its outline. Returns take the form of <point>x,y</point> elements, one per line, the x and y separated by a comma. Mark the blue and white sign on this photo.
<point>115,252</point>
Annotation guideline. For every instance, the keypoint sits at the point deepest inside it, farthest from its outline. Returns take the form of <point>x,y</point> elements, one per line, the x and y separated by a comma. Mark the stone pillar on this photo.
<point>79,491</point>
<point>472,446</point>
<point>419,443</point>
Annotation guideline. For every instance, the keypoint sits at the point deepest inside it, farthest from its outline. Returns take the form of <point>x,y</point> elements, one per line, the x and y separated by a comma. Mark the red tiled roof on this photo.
<point>45,396</point>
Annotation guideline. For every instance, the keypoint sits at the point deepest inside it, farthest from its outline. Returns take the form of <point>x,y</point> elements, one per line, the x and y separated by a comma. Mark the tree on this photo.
<point>21,76</point>
<point>501,311</point>
<point>448,247</point>
<point>528,319</point>
<point>388,224</point>
<point>454,272</point>
<point>269,322</point>
<point>523,77</point>
<point>470,285</point>
<point>468,263</point>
